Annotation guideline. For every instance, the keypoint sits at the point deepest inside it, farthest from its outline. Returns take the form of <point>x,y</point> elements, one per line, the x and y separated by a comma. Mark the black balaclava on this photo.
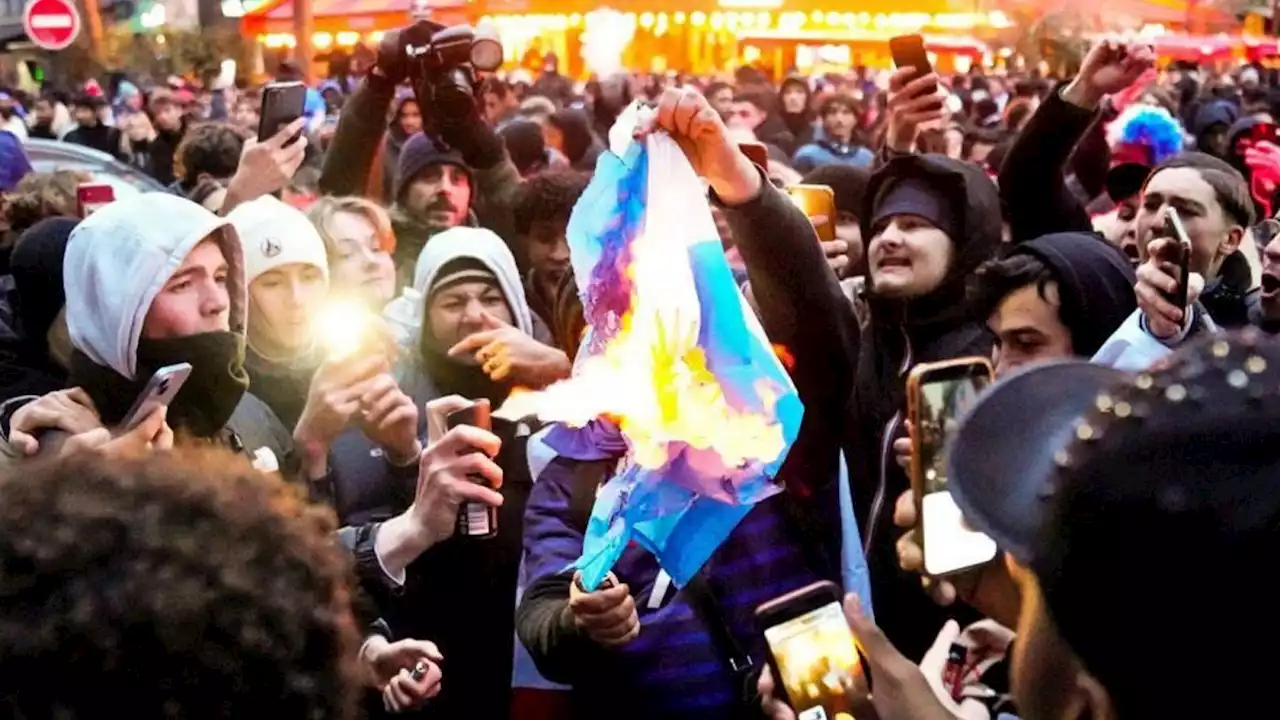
<point>206,402</point>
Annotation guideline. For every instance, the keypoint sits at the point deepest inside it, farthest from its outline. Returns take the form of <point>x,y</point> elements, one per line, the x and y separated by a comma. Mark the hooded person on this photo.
<point>153,281</point>
<point>433,193</point>
<point>405,122</point>
<point>287,275</point>
<point>463,275</point>
<point>1211,125</point>
<point>928,222</point>
<point>36,362</point>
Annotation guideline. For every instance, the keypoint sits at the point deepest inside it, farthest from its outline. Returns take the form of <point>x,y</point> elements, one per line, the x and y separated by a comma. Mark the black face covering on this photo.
<point>204,405</point>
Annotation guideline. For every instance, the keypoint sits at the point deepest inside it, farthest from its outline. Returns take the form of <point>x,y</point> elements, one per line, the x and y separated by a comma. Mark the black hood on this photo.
<point>975,207</point>
<point>1239,130</point>
<point>1095,285</point>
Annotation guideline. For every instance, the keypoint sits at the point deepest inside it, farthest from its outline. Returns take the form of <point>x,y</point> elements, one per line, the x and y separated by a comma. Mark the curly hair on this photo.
<point>548,196</point>
<point>182,585</point>
<point>212,149</point>
<point>43,195</point>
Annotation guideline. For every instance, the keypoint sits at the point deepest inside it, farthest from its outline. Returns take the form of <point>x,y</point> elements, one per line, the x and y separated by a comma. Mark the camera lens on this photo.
<point>486,54</point>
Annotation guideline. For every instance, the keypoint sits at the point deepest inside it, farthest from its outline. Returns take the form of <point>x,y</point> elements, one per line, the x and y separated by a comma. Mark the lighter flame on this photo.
<point>652,379</point>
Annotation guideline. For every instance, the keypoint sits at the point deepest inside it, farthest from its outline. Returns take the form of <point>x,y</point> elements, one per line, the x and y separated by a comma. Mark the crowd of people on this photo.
<point>284,535</point>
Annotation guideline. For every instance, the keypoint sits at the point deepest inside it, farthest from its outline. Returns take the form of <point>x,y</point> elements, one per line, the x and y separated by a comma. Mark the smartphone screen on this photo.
<point>817,201</point>
<point>91,197</point>
<point>816,660</point>
<point>942,395</point>
<point>282,103</point>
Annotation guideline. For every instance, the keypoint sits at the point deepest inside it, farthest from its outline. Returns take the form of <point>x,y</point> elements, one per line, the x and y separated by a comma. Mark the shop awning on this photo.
<point>358,16</point>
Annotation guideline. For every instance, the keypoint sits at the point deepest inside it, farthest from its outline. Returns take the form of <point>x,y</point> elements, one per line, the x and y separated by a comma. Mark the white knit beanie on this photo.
<point>274,234</point>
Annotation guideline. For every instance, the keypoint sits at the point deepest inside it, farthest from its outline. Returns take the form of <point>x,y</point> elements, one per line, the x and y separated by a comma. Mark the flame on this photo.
<point>652,379</point>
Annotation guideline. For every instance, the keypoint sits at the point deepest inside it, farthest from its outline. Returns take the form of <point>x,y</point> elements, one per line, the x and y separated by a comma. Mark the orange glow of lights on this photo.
<point>785,357</point>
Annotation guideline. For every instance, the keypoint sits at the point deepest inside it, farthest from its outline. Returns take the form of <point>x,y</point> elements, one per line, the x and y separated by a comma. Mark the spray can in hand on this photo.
<point>475,520</point>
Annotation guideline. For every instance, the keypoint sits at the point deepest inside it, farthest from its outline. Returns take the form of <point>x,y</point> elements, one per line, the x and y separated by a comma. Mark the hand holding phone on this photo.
<point>160,390</point>
<point>817,201</point>
<point>938,395</point>
<point>813,656</point>
<point>1180,256</point>
<point>282,103</point>
<point>914,100</point>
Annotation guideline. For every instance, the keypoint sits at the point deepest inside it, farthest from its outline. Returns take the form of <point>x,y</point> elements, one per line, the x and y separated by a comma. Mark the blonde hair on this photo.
<point>322,212</point>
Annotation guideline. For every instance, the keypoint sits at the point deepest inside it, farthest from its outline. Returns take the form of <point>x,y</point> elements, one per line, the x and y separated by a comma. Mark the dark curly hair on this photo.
<point>183,585</point>
<point>548,196</point>
<point>211,149</point>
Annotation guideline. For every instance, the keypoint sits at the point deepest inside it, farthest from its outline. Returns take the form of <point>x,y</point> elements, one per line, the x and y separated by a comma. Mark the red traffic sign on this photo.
<point>51,24</point>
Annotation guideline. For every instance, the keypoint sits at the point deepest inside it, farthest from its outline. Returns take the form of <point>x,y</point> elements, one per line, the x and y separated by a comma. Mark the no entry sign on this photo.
<point>51,24</point>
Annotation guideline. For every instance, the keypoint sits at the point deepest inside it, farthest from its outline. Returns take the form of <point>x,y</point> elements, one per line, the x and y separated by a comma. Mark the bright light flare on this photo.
<point>341,328</point>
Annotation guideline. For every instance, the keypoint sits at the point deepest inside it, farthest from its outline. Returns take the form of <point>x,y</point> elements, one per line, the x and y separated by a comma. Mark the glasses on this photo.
<point>1264,232</point>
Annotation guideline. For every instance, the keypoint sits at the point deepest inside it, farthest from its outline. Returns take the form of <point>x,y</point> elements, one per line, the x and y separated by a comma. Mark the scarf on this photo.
<point>205,403</point>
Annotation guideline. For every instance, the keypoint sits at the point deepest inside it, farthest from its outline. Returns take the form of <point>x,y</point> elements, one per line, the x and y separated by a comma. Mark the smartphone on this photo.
<point>282,103</point>
<point>909,51</point>
<point>91,197</point>
<point>813,653</point>
<point>756,153</point>
<point>159,392</point>
<point>1177,231</point>
<point>817,201</point>
<point>938,395</point>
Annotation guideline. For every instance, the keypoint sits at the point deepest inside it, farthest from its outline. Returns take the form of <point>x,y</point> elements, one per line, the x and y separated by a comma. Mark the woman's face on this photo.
<point>285,299</point>
<point>908,257</point>
<point>359,266</point>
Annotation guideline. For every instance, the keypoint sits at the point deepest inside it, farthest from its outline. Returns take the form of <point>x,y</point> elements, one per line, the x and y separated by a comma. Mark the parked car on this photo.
<point>50,155</point>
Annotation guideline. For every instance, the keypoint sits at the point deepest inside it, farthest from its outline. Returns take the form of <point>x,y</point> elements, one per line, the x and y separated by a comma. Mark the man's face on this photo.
<point>794,99</point>
<point>285,300</point>
<point>359,265</point>
<point>908,258</point>
<point>1123,232</point>
<point>246,115</point>
<point>745,116</point>
<point>195,298</point>
<point>44,111</point>
<point>1214,235</point>
<point>549,250</point>
<point>1028,329</point>
<point>457,312</point>
<point>85,116</point>
<point>169,117</point>
<point>410,118</point>
<point>440,196</point>
<point>496,107</point>
<point>1216,140</point>
<point>839,123</point>
<point>722,102</point>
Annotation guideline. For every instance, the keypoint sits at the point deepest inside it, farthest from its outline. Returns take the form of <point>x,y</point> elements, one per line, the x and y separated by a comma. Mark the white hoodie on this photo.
<point>408,310</point>
<point>119,258</point>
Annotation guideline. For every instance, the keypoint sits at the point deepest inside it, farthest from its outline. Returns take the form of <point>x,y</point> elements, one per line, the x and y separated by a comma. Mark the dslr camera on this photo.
<point>443,63</point>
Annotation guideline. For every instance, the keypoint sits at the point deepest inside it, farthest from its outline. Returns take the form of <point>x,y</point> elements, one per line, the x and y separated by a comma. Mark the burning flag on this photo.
<point>674,362</point>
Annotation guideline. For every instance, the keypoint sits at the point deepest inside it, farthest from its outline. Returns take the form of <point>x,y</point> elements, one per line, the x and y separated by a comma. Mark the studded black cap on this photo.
<point>1159,524</point>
